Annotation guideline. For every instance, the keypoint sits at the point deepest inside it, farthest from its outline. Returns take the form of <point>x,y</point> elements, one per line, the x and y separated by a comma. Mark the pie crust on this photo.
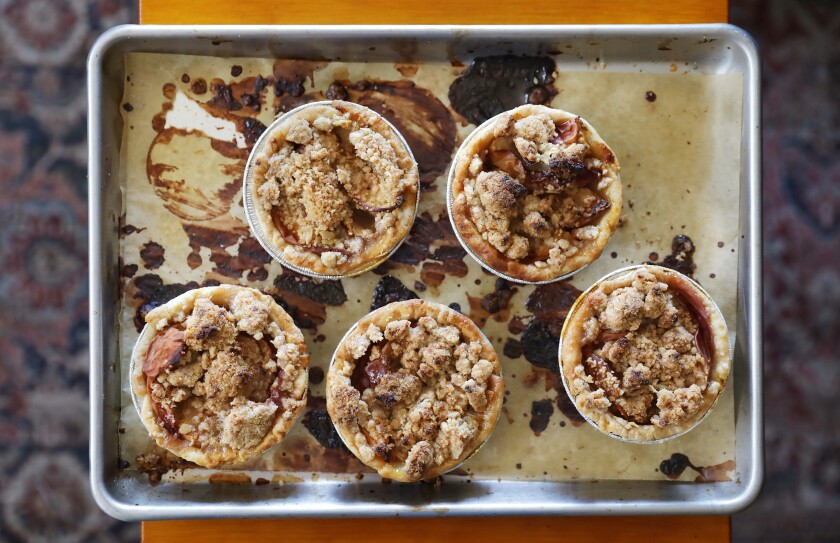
<point>219,374</point>
<point>644,354</point>
<point>535,194</point>
<point>426,396</point>
<point>334,188</point>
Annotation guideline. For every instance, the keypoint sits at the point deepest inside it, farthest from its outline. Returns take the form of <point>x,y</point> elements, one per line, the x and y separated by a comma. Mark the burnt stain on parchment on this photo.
<point>193,199</point>
<point>540,344</point>
<point>433,273</point>
<point>152,255</point>
<point>249,256</point>
<point>676,464</point>
<point>388,290</point>
<point>317,421</point>
<point>681,258</point>
<point>432,243</point>
<point>512,348</point>
<point>290,75</point>
<point>495,84</point>
<point>541,411</point>
<point>306,299</point>
<point>203,208</point>
<point>496,304</point>
<point>128,270</point>
<point>128,229</point>
<point>316,375</point>
<point>305,453</point>
<point>549,305</point>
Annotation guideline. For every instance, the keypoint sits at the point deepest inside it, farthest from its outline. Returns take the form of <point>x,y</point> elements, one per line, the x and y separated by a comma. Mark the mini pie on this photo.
<point>219,374</point>
<point>414,389</point>
<point>535,193</point>
<point>334,188</point>
<point>645,354</point>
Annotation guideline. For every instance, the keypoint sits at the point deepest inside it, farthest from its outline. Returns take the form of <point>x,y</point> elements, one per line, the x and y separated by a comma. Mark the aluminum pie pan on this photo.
<point>576,305</point>
<point>710,48</point>
<point>249,204</point>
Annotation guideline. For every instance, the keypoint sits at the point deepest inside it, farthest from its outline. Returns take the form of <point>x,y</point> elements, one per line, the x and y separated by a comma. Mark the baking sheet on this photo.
<point>183,222</point>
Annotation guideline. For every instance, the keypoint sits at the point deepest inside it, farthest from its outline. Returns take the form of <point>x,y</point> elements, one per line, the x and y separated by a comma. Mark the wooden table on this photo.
<point>486,530</point>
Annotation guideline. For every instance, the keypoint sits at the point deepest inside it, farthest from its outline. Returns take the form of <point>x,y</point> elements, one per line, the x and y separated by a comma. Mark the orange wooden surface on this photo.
<point>462,530</point>
<point>431,11</point>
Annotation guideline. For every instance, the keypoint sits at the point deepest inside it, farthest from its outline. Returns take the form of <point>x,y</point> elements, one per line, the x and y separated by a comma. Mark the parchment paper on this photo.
<point>182,166</point>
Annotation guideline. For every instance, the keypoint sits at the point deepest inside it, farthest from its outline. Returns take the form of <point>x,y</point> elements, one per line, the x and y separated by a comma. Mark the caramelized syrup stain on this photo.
<point>512,348</point>
<point>128,270</point>
<point>541,411</point>
<point>389,289</point>
<point>492,85</point>
<point>152,255</point>
<point>674,466</point>
<point>433,273</point>
<point>129,229</point>
<point>198,87</point>
<point>550,303</point>
<point>681,258</point>
<point>407,70</point>
<point>317,421</point>
<point>306,299</point>
<point>426,233</point>
<point>146,292</point>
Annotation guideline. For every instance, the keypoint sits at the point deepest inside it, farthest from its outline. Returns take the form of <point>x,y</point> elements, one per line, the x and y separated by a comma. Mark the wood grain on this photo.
<point>462,530</point>
<point>430,12</point>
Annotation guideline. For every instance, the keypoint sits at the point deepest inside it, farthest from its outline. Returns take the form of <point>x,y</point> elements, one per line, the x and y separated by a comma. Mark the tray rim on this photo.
<point>750,305</point>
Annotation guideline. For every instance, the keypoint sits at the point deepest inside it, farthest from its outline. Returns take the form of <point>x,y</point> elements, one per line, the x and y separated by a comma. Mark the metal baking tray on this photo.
<point>724,49</point>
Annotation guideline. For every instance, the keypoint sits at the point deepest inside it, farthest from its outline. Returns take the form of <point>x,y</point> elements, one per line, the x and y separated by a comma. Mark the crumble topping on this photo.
<point>644,353</point>
<point>336,187</point>
<point>535,191</point>
<point>220,378</point>
<point>415,393</point>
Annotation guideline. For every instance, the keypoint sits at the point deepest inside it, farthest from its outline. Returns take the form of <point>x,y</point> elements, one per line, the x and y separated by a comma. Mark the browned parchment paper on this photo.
<point>183,152</point>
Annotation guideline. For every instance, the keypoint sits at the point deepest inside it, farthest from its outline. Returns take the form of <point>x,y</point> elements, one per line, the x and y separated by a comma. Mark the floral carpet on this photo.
<point>44,493</point>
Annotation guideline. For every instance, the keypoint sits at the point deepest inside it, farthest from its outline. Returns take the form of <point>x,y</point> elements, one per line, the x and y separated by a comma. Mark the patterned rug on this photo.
<point>44,491</point>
